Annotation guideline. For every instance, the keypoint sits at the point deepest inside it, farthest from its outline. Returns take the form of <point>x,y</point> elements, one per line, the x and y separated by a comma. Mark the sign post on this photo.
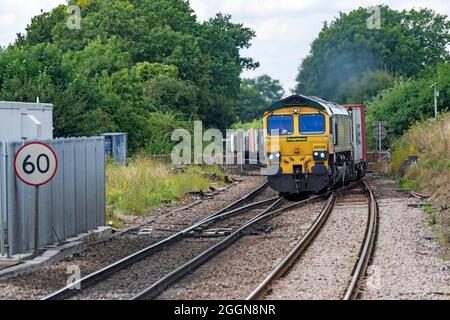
<point>380,133</point>
<point>35,164</point>
<point>36,220</point>
<point>435,95</point>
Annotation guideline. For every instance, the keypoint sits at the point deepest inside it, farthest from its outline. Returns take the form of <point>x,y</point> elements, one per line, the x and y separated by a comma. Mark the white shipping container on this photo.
<point>20,120</point>
<point>357,134</point>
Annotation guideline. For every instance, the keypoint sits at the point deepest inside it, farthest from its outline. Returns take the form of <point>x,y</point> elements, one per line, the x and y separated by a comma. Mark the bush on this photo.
<point>408,102</point>
<point>255,124</point>
<point>146,183</point>
<point>430,142</point>
<point>159,131</point>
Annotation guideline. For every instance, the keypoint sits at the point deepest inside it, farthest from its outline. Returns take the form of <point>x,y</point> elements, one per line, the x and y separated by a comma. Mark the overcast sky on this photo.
<point>284,28</point>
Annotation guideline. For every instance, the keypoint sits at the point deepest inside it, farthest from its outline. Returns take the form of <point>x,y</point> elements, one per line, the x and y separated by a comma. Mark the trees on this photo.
<point>410,100</point>
<point>359,89</point>
<point>390,69</point>
<point>129,59</point>
<point>256,95</point>
<point>346,50</point>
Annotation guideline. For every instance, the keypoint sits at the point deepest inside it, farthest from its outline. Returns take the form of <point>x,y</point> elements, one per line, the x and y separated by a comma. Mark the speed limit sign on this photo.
<point>35,163</point>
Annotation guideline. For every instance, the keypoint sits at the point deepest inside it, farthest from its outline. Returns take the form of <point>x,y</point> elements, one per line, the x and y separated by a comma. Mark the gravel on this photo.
<point>324,270</point>
<point>135,278</point>
<point>130,281</point>
<point>407,263</point>
<point>235,272</point>
<point>42,282</point>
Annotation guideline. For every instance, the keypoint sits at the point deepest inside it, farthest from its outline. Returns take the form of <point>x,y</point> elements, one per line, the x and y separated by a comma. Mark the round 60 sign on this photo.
<point>35,163</point>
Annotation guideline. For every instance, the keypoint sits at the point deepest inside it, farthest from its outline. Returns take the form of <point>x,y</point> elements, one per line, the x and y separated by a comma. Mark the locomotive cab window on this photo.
<point>312,123</point>
<point>284,124</point>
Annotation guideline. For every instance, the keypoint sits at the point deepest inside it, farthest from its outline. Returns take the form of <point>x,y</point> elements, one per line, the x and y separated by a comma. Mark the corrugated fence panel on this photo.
<point>101,187</point>
<point>91,187</point>
<point>80,187</point>
<point>57,190</point>
<point>2,202</point>
<point>72,203</point>
<point>69,188</point>
<point>45,214</point>
<point>19,237</point>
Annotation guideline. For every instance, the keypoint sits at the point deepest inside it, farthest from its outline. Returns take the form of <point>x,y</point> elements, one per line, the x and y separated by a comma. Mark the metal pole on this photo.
<point>435,102</point>
<point>379,135</point>
<point>36,221</point>
<point>435,94</point>
<point>3,197</point>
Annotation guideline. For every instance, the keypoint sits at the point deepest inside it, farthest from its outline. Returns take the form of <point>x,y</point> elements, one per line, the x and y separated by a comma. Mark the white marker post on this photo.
<point>35,164</point>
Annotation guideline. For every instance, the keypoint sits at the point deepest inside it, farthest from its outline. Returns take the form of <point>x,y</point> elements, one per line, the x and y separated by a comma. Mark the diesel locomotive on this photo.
<point>313,145</point>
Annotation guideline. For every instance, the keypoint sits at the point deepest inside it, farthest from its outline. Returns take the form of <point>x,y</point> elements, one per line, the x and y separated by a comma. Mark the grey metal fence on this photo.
<point>72,203</point>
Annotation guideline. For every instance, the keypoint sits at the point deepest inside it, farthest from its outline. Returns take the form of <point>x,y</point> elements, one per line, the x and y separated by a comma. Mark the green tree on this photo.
<point>256,95</point>
<point>347,49</point>
<point>409,101</point>
<point>359,89</point>
<point>129,59</point>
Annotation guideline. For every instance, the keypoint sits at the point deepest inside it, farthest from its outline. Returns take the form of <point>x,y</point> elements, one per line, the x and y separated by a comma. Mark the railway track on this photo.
<point>239,218</point>
<point>367,247</point>
<point>239,208</point>
<point>361,263</point>
<point>156,288</point>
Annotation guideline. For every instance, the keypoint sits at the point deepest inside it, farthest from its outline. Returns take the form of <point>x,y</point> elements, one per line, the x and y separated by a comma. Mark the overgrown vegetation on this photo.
<point>409,101</point>
<point>256,95</point>
<point>429,141</point>
<point>255,124</point>
<point>145,184</point>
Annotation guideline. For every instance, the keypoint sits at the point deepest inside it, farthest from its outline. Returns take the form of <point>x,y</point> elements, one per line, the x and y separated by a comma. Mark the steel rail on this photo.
<point>160,285</point>
<point>296,251</point>
<point>419,195</point>
<point>105,272</point>
<point>360,267</point>
<point>239,201</point>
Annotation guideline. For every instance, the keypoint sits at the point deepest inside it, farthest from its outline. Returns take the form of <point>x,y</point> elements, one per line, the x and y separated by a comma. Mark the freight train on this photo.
<point>313,145</point>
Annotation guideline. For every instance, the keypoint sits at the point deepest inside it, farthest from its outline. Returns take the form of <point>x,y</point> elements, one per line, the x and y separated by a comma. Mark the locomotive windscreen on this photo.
<point>284,124</point>
<point>312,123</point>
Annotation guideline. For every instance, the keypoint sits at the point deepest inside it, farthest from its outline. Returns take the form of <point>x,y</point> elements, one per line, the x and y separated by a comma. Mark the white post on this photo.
<point>379,136</point>
<point>435,102</point>
<point>436,95</point>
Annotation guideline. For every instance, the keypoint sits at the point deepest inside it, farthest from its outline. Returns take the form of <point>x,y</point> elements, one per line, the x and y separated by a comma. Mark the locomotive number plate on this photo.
<point>296,139</point>
<point>320,147</point>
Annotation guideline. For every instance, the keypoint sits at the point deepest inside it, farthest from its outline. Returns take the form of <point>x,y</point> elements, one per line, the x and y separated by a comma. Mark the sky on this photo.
<point>284,29</point>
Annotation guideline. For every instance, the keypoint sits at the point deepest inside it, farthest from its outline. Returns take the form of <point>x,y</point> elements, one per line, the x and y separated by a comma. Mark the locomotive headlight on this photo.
<point>320,156</point>
<point>274,155</point>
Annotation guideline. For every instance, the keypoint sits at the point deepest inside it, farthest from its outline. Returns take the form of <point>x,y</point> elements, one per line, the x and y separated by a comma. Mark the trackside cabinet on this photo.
<point>116,147</point>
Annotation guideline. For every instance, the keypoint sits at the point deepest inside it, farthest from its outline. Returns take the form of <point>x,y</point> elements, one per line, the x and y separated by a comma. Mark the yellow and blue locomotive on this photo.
<point>313,144</point>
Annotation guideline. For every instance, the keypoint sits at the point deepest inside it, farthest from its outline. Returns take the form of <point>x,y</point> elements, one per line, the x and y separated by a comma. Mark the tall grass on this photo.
<point>146,183</point>
<point>254,124</point>
<point>430,142</point>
